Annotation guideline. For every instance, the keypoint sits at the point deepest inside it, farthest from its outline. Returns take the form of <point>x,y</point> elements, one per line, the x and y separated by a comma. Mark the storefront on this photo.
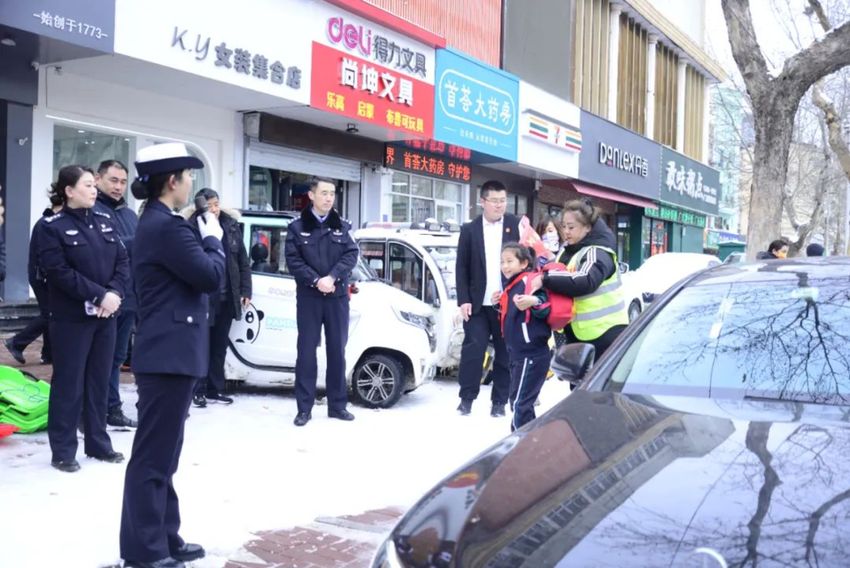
<point>690,192</point>
<point>33,35</point>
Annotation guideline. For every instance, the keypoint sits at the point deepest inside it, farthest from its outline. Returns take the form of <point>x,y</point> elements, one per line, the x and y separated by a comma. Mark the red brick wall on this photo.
<point>473,27</point>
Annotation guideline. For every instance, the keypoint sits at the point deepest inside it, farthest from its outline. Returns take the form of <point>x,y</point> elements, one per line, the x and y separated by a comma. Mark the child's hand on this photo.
<point>496,297</point>
<point>524,302</point>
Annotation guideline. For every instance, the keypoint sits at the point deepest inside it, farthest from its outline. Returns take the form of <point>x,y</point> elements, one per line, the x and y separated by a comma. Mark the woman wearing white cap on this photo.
<point>175,265</point>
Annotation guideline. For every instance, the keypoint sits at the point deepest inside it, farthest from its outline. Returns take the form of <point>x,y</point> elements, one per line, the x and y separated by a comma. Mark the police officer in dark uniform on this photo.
<point>175,266</point>
<point>320,253</point>
<point>87,270</point>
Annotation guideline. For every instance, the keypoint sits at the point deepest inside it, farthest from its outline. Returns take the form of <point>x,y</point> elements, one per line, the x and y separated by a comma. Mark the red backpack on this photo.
<point>561,308</point>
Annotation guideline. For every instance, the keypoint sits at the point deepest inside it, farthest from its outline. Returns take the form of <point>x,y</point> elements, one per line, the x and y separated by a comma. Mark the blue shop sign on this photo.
<point>475,106</point>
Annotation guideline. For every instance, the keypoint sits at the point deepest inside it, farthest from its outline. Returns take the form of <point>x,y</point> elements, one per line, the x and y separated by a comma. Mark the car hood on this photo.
<point>605,479</point>
<point>378,291</point>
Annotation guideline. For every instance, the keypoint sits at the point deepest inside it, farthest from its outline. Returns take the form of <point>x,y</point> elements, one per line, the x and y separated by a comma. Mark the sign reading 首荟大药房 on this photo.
<point>475,106</point>
<point>89,23</point>
<point>688,183</point>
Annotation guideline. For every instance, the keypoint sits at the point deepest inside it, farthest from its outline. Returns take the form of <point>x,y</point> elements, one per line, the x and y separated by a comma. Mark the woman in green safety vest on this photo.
<point>592,278</point>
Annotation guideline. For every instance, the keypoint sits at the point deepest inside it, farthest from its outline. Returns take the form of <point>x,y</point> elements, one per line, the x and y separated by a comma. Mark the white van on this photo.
<point>391,340</point>
<point>420,259</point>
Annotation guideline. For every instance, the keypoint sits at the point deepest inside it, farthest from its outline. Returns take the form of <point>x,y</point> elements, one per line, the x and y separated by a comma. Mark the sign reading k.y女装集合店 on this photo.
<point>475,106</point>
<point>688,183</point>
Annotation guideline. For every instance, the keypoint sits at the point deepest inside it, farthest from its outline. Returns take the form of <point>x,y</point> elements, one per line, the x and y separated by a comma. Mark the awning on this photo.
<point>610,194</point>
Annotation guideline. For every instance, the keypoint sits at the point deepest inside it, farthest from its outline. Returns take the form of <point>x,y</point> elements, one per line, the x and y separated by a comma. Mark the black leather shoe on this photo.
<point>17,354</point>
<point>199,401</point>
<point>497,410</point>
<point>68,466</point>
<point>341,415</point>
<point>110,457</point>
<point>116,417</point>
<point>188,552</point>
<point>302,418</point>
<point>465,407</point>
<point>220,398</point>
<point>164,563</point>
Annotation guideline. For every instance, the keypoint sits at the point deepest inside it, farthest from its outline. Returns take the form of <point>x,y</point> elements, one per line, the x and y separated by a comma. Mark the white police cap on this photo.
<point>164,158</point>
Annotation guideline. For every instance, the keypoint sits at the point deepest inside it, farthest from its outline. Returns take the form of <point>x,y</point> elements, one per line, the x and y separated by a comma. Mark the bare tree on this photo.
<point>774,102</point>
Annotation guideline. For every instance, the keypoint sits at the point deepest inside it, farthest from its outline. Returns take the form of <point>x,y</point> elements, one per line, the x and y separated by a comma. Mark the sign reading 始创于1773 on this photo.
<point>689,183</point>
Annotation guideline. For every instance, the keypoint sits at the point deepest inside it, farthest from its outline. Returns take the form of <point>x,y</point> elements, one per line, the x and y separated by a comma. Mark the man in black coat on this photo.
<point>234,297</point>
<point>478,276</point>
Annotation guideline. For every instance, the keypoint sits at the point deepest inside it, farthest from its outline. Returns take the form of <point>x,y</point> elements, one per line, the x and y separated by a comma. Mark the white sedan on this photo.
<point>658,274</point>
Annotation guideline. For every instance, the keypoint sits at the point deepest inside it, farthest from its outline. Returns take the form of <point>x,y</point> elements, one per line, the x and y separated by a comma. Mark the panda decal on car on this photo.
<point>248,328</point>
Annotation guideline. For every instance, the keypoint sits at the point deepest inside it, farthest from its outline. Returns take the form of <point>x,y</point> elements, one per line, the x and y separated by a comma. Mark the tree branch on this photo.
<point>745,47</point>
<point>821,58</point>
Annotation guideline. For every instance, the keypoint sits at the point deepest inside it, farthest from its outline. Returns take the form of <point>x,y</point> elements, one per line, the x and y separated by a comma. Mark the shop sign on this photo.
<point>714,239</point>
<point>551,137</point>
<point>359,89</point>
<point>476,106</point>
<point>617,158</point>
<point>403,158</point>
<point>89,23</point>
<point>441,149</point>
<point>676,215</point>
<point>689,183</point>
<point>564,137</point>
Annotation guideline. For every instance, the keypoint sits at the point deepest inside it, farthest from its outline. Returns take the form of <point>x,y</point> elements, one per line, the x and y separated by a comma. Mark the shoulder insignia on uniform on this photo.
<point>54,217</point>
<point>101,214</point>
<point>72,232</point>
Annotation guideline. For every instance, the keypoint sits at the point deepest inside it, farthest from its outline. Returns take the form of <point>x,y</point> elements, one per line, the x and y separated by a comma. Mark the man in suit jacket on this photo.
<point>479,275</point>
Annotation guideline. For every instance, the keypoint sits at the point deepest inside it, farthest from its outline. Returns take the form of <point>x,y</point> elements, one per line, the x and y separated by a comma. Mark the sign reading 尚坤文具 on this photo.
<point>404,158</point>
<point>476,106</point>
<point>689,183</point>
<point>89,23</point>
<point>676,215</point>
<point>359,89</point>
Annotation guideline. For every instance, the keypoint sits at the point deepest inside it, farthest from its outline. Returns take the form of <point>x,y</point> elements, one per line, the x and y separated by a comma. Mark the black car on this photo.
<point>716,432</point>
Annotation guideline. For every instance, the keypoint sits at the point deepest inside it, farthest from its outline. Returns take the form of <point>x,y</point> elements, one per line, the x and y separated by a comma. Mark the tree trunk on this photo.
<point>774,122</point>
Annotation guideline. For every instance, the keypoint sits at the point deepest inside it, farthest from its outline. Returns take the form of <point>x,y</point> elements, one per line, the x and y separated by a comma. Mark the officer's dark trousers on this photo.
<point>82,358</point>
<point>527,377</point>
<point>150,518</point>
<point>214,382</point>
<point>126,322</point>
<point>477,333</point>
<point>40,325</point>
<point>311,314</point>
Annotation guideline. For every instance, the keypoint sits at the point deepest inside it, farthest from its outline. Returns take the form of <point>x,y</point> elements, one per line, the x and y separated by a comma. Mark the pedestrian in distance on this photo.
<point>479,277</point>
<point>592,278</point>
<point>111,181</point>
<point>815,249</point>
<point>778,249</point>
<point>87,271</point>
<point>39,325</point>
<point>523,322</point>
<point>176,265</point>
<point>320,253</point>
<point>227,305</point>
<point>551,232</point>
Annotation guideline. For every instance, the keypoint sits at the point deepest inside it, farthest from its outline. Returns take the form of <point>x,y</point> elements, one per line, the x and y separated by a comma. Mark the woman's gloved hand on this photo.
<point>209,226</point>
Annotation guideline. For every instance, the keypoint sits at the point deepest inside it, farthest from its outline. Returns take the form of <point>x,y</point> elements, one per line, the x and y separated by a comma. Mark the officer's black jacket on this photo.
<point>84,259</point>
<point>314,250</point>
<point>174,271</point>
<point>126,221</point>
<point>34,270</point>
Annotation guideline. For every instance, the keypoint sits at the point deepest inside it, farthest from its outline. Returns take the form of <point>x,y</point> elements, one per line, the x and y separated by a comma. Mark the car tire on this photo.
<point>634,311</point>
<point>378,381</point>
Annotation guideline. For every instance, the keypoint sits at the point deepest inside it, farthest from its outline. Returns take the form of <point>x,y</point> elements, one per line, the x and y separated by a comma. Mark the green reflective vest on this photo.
<point>602,309</point>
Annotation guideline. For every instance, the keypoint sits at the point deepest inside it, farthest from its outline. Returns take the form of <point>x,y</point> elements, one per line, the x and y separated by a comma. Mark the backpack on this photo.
<point>561,308</point>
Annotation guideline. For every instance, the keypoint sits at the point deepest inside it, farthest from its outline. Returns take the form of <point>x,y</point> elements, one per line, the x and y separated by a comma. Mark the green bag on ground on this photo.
<point>23,400</point>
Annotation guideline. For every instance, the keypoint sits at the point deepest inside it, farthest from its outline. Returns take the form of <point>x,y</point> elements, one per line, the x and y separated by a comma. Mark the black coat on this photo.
<point>175,271</point>
<point>35,272</point>
<point>596,268</point>
<point>314,250</point>
<point>126,221</point>
<point>471,270</point>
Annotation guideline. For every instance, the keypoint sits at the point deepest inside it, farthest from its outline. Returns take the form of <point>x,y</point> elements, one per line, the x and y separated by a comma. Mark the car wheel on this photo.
<point>634,311</point>
<point>378,381</point>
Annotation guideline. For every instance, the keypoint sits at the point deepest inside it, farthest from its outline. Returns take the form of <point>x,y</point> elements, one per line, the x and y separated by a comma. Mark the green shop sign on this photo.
<point>676,215</point>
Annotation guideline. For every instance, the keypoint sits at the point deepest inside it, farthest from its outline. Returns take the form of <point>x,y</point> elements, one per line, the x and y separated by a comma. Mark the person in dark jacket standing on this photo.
<point>228,305</point>
<point>478,277</point>
<point>320,253</point>
<point>87,271</point>
<point>592,278</point>
<point>111,180</point>
<point>778,249</point>
<point>39,325</point>
<point>176,265</point>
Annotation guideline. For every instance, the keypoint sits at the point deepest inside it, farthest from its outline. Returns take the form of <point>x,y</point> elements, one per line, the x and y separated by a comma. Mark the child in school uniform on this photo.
<point>525,331</point>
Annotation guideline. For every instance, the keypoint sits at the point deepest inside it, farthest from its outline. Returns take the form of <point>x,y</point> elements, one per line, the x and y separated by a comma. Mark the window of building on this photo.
<point>517,204</point>
<point>631,75</point>
<point>666,95</point>
<point>412,199</point>
<point>590,55</point>
<point>694,109</point>
<point>79,146</point>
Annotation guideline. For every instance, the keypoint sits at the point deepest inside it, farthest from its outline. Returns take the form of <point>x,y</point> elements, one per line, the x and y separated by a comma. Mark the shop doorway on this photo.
<point>655,237</point>
<point>279,190</point>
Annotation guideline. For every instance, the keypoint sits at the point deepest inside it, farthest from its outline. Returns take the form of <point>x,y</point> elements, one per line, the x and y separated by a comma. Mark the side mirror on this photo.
<point>623,266</point>
<point>572,362</point>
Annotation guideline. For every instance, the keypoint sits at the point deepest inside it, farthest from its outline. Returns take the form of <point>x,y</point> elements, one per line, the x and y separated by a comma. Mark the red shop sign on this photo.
<point>361,90</point>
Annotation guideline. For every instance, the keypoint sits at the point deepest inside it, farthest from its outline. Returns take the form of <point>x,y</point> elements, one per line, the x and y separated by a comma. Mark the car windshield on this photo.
<point>446,258</point>
<point>785,340</point>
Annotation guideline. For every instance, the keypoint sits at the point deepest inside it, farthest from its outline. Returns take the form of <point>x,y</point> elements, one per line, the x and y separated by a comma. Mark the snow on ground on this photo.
<point>245,468</point>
